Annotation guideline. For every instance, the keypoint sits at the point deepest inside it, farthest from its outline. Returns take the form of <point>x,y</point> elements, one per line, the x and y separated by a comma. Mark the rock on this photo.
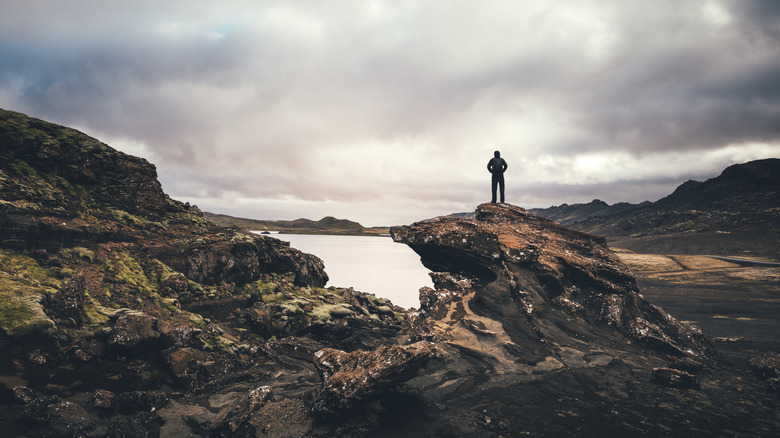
<point>104,400</point>
<point>70,418</point>
<point>179,335</point>
<point>179,360</point>
<point>92,347</point>
<point>235,419</point>
<point>135,401</point>
<point>25,395</point>
<point>540,283</point>
<point>177,283</point>
<point>260,320</point>
<point>686,364</point>
<point>55,416</point>
<point>132,329</point>
<point>68,302</point>
<point>37,358</point>
<point>766,365</point>
<point>478,327</point>
<point>772,385</point>
<point>82,355</point>
<point>140,425</point>
<point>352,379</point>
<point>238,258</point>
<point>674,378</point>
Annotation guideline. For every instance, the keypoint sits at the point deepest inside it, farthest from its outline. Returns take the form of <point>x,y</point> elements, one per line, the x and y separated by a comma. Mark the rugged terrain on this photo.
<point>126,313</point>
<point>114,297</point>
<point>735,213</point>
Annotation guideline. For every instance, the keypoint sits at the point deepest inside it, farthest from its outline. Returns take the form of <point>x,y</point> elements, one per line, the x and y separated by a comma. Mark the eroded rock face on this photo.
<point>530,282</point>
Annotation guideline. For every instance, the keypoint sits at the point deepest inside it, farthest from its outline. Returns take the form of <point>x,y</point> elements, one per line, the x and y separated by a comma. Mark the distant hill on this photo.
<point>567,214</point>
<point>741,206</point>
<point>326,225</point>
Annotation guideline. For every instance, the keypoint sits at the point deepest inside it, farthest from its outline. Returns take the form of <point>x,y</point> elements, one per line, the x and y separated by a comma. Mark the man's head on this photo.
<point>497,154</point>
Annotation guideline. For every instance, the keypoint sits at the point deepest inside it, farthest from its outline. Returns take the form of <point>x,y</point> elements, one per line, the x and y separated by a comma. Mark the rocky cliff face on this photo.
<point>125,313</point>
<point>110,291</point>
<point>538,285</point>
<point>534,329</point>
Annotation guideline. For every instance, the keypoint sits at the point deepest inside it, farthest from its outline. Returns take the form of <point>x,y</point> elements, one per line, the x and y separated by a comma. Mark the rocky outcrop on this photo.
<point>125,313</point>
<point>60,188</point>
<point>533,283</point>
<point>238,258</point>
<point>109,176</point>
<point>541,330</point>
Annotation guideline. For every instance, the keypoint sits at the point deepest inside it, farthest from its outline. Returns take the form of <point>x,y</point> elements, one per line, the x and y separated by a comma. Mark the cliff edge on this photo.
<point>535,329</point>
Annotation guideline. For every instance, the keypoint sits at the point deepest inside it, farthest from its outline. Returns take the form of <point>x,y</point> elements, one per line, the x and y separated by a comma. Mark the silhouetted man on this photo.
<point>497,166</point>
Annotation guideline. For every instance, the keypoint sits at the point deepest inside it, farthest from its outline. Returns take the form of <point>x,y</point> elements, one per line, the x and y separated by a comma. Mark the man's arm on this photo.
<point>489,166</point>
<point>506,166</point>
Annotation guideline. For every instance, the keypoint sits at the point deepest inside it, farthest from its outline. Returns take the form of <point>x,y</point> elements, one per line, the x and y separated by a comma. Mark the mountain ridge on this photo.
<point>741,205</point>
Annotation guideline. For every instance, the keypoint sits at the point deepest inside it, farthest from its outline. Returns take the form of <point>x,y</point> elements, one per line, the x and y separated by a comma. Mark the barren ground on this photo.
<point>737,307</point>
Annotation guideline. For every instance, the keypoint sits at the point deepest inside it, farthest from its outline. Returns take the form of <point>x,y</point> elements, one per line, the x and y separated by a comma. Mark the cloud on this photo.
<point>278,108</point>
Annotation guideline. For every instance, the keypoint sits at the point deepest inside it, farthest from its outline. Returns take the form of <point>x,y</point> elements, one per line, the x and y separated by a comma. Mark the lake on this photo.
<point>373,264</point>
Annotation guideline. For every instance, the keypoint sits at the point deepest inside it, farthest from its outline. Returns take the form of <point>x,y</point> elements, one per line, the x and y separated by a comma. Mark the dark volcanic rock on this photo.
<point>538,330</point>
<point>766,365</point>
<point>538,284</point>
<point>239,259</point>
<point>111,177</point>
<point>132,329</point>
<point>104,399</point>
<point>68,303</point>
<point>140,425</point>
<point>674,378</point>
<point>532,329</point>
<point>351,379</point>
<point>235,419</point>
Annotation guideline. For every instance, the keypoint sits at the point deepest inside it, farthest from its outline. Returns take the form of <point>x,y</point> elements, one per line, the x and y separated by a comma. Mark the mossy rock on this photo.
<point>78,252</point>
<point>328,312</point>
<point>23,284</point>
<point>127,270</point>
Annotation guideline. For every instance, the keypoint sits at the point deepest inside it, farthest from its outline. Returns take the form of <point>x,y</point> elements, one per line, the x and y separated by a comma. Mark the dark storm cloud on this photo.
<point>253,105</point>
<point>704,83</point>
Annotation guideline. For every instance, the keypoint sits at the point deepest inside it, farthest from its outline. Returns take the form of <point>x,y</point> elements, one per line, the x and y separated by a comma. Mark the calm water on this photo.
<point>369,264</point>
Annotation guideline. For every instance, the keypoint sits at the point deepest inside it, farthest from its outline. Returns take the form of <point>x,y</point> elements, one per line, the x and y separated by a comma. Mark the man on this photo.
<point>497,166</point>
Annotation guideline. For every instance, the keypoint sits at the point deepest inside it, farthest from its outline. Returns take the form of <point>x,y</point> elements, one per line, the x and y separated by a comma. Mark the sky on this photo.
<point>387,112</point>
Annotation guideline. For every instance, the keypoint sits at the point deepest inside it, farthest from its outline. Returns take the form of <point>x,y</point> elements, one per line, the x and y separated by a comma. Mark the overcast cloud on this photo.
<point>387,112</point>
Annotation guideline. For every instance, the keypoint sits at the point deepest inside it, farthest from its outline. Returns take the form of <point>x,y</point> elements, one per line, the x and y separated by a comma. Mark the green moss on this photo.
<point>293,306</point>
<point>96,315</point>
<point>23,283</point>
<point>78,252</point>
<point>126,270</point>
<point>127,218</point>
<point>327,312</point>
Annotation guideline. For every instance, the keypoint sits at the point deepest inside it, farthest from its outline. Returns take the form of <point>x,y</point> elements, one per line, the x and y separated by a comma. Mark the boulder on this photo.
<point>132,329</point>
<point>68,302</point>
<point>104,400</point>
<point>235,418</point>
<point>352,379</point>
